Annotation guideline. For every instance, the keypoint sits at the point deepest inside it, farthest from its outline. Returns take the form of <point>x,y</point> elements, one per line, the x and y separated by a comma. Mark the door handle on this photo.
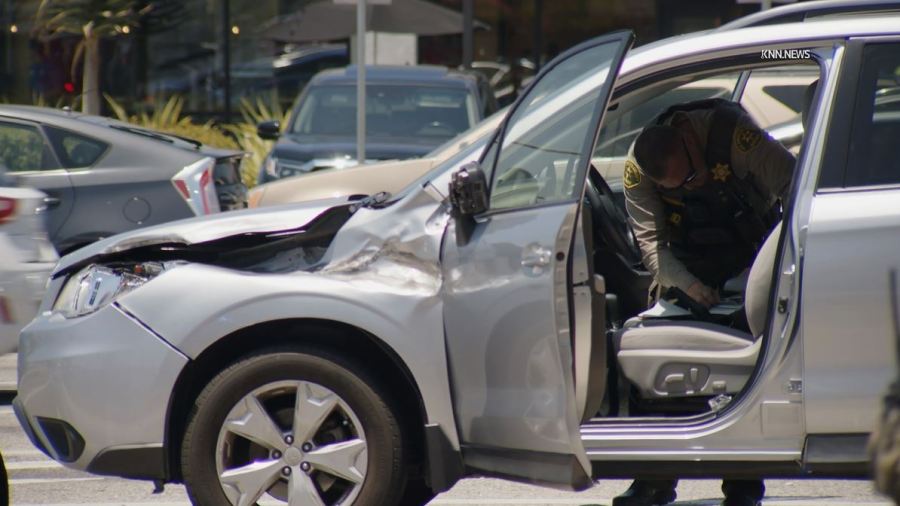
<point>535,256</point>
<point>51,202</point>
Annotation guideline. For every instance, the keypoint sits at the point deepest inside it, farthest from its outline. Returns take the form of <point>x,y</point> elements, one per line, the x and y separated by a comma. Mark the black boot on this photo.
<point>743,492</point>
<point>647,493</point>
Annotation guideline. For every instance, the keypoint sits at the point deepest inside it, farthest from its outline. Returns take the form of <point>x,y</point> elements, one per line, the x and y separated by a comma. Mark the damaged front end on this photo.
<point>101,273</point>
<point>206,241</point>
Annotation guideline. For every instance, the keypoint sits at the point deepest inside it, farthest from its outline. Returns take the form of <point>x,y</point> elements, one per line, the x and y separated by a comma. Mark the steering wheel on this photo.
<point>611,222</point>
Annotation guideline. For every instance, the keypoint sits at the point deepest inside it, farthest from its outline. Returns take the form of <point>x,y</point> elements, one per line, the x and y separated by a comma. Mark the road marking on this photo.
<point>598,501</point>
<point>510,502</point>
<point>33,464</point>
<point>35,481</point>
<point>23,453</point>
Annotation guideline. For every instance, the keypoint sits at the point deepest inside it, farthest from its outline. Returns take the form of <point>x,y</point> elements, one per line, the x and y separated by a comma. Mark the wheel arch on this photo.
<point>358,346</point>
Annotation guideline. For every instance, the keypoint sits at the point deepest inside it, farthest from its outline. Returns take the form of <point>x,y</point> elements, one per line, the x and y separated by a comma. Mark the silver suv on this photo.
<point>372,351</point>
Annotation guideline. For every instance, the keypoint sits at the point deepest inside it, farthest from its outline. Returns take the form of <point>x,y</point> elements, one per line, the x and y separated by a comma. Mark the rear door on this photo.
<point>508,286</point>
<point>27,155</point>
<point>852,243</point>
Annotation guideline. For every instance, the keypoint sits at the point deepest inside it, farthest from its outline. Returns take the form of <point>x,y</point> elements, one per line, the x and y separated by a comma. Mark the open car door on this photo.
<point>507,284</point>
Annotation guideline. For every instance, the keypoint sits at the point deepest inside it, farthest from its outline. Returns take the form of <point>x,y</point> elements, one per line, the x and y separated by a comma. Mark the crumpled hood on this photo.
<point>207,228</point>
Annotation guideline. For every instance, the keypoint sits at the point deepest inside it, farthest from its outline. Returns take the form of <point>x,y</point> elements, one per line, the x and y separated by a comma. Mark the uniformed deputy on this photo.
<point>702,186</point>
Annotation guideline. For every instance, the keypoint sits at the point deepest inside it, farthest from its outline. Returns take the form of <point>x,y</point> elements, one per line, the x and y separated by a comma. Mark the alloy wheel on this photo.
<point>295,441</point>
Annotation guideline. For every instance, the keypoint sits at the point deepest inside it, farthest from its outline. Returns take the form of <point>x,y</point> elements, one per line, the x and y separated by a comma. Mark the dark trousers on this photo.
<point>752,488</point>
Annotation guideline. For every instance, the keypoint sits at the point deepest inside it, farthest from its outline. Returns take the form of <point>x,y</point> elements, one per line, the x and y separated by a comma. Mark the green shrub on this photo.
<point>253,113</point>
<point>241,135</point>
<point>21,150</point>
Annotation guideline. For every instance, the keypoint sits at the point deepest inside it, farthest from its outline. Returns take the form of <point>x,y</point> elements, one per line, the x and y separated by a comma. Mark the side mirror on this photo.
<point>269,130</point>
<point>468,191</point>
<point>468,198</point>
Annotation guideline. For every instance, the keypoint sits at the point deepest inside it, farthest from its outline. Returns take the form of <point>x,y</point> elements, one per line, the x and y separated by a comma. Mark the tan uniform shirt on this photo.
<point>753,151</point>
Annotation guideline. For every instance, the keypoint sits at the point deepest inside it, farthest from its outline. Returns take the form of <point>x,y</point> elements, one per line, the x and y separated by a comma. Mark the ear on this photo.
<point>693,143</point>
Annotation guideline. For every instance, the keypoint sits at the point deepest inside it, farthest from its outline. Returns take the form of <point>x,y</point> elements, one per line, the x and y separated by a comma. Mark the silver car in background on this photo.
<point>373,351</point>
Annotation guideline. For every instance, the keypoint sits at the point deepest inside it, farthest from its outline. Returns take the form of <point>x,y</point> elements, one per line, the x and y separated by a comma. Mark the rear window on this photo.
<point>22,148</point>
<point>391,111</point>
<point>792,96</point>
<point>75,151</point>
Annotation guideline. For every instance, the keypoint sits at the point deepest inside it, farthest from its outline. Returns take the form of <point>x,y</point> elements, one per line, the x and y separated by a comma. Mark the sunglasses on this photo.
<point>693,175</point>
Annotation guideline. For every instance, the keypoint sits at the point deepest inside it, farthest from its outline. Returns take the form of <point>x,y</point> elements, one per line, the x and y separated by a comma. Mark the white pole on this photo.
<point>361,82</point>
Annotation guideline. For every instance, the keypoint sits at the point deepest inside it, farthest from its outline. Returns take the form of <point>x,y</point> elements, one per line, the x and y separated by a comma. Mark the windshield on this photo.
<point>391,111</point>
<point>469,153</point>
<point>471,135</point>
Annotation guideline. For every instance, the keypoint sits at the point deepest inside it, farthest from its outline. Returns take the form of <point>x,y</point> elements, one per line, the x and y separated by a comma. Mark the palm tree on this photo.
<point>93,20</point>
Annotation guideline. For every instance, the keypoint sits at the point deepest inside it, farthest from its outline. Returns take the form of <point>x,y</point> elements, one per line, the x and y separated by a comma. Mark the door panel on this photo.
<point>848,352</point>
<point>851,246</point>
<point>60,196</point>
<point>509,355</point>
<point>508,289</point>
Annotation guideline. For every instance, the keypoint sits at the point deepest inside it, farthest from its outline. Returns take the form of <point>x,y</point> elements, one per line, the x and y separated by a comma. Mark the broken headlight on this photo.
<point>96,286</point>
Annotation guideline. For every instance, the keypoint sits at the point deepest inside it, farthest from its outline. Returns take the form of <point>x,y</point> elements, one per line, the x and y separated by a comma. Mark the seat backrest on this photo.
<point>759,283</point>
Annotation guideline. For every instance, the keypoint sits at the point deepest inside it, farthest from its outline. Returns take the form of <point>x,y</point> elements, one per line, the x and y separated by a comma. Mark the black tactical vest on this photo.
<point>716,230</point>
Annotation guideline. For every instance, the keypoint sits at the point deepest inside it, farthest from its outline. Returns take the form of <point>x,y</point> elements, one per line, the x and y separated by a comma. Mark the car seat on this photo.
<point>667,358</point>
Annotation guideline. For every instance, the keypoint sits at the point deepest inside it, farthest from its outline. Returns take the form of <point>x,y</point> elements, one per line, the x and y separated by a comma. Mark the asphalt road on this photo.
<point>37,480</point>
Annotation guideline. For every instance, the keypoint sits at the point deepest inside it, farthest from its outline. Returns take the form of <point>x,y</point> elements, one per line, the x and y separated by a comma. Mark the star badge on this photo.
<point>721,172</point>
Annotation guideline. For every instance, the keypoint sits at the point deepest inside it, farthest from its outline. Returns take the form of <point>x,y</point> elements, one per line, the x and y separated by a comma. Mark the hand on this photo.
<point>703,294</point>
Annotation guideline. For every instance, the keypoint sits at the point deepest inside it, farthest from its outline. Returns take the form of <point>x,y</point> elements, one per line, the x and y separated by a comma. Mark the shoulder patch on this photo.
<point>632,176</point>
<point>746,139</point>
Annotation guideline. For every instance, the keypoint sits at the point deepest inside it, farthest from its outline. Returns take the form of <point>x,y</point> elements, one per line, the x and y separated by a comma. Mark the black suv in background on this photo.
<point>409,111</point>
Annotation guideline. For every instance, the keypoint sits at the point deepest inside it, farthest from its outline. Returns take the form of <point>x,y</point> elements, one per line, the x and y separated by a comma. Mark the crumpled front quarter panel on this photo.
<point>381,274</point>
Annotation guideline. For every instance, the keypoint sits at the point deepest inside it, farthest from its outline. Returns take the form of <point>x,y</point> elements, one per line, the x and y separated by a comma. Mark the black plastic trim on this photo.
<point>67,443</point>
<point>726,470</point>
<point>445,464</point>
<point>26,426</point>
<point>140,463</point>
<point>842,455</point>
<point>834,160</point>
<point>526,466</point>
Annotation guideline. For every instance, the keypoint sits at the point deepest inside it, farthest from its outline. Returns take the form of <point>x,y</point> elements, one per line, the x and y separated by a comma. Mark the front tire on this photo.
<point>298,426</point>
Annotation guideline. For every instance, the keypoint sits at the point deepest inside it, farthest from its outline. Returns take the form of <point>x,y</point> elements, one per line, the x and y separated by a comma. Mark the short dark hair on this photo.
<point>653,147</point>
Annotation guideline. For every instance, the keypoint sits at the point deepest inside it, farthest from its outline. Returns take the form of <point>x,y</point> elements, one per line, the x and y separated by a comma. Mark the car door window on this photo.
<point>872,159</point>
<point>22,148</point>
<point>538,162</point>
<point>776,96</point>
<point>75,151</point>
<point>619,130</point>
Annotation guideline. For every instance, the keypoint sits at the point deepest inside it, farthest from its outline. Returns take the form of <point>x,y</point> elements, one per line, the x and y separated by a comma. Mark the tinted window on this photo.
<point>391,111</point>
<point>790,96</point>
<point>872,158</point>
<point>622,127</point>
<point>22,148</point>
<point>75,151</point>
<point>540,159</point>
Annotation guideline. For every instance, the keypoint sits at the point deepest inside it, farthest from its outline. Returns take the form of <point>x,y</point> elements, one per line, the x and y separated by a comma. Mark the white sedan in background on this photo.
<point>26,260</point>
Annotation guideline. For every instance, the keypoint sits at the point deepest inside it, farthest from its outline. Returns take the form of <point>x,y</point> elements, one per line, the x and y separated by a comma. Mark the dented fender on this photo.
<point>380,273</point>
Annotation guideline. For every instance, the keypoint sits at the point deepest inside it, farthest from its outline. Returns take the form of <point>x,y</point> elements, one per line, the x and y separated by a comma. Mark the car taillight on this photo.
<point>195,184</point>
<point>7,209</point>
<point>208,190</point>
